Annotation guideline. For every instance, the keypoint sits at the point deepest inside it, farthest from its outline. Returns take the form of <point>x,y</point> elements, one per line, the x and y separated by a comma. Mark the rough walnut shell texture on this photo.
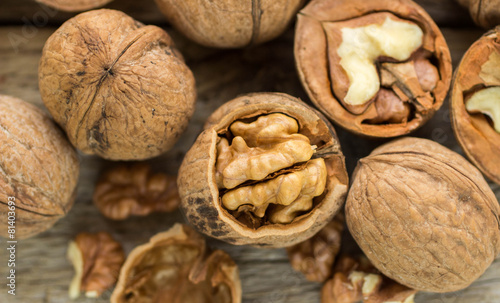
<point>312,56</point>
<point>423,215</point>
<point>39,168</point>
<point>100,258</point>
<point>175,266</point>
<point>74,5</point>
<point>133,189</point>
<point>200,199</point>
<point>478,69</point>
<point>485,13</point>
<point>118,88</point>
<point>230,23</point>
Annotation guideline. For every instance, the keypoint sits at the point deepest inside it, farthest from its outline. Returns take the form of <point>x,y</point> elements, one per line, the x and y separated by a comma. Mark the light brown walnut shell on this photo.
<point>39,169</point>
<point>119,89</point>
<point>477,70</point>
<point>175,266</point>
<point>134,190</point>
<point>74,5</point>
<point>202,200</point>
<point>97,259</point>
<point>423,215</point>
<point>409,91</point>
<point>485,13</point>
<point>230,23</point>
<point>315,256</point>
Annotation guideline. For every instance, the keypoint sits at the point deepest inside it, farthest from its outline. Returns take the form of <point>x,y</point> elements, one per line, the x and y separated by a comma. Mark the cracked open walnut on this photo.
<point>355,279</point>
<point>175,266</point>
<point>133,189</point>
<point>377,68</point>
<point>267,170</point>
<point>119,88</point>
<point>315,256</point>
<point>97,259</point>
<point>475,104</point>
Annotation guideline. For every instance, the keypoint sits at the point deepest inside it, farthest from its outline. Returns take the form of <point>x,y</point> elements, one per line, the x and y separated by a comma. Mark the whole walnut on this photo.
<point>485,13</point>
<point>423,215</point>
<point>118,88</point>
<point>267,171</point>
<point>38,170</point>
<point>230,23</point>
<point>74,5</point>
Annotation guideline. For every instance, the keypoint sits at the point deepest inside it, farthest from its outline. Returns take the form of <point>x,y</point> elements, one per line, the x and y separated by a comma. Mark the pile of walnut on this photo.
<point>267,169</point>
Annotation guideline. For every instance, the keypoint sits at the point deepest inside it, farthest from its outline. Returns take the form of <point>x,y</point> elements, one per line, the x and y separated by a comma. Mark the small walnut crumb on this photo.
<point>357,279</point>
<point>134,190</point>
<point>97,259</point>
<point>315,256</point>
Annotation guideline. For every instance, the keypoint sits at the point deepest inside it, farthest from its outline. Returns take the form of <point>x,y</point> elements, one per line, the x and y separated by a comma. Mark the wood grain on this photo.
<point>43,274</point>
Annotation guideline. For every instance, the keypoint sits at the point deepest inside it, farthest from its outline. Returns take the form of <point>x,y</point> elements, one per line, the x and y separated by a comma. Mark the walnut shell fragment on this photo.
<point>376,68</point>
<point>267,170</point>
<point>39,170</point>
<point>133,189</point>
<point>120,89</point>
<point>230,23</point>
<point>176,267</point>
<point>485,13</point>
<point>478,73</point>
<point>74,5</point>
<point>355,279</point>
<point>97,259</point>
<point>423,215</point>
<point>315,256</point>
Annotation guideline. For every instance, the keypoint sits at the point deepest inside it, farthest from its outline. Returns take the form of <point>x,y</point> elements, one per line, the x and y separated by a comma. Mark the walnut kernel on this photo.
<point>97,259</point>
<point>74,5</point>
<point>132,189</point>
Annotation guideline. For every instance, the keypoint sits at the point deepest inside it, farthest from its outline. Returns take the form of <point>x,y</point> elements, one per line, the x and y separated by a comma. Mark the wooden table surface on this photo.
<point>43,273</point>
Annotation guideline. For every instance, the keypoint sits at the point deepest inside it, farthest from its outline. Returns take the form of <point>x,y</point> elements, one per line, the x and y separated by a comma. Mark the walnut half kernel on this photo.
<point>97,259</point>
<point>275,148</point>
<point>486,101</point>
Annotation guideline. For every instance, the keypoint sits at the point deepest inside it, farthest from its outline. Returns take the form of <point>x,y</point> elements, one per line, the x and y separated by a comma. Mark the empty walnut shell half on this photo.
<point>109,80</point>
<point>267,170</point>
<point>230,23</point>
<point>74,5</point>
<point>176,267</point>
<point>475,104</point>
<point>485,13</point>
<point>39,170</point>
<point>423,215</point>
<point>376,68</point>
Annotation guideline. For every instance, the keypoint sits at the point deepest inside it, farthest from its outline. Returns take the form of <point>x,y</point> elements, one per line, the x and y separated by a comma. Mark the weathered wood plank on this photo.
<point>43,272</point>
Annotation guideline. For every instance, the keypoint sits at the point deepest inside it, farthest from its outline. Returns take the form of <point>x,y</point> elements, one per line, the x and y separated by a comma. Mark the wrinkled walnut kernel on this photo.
<point>315,256</point>
<point>133,190</point>
<point>375,68</point>
<point>355,279</point>
<point>97,259</point>
<point>271,144</point>
<point>175,267</point>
